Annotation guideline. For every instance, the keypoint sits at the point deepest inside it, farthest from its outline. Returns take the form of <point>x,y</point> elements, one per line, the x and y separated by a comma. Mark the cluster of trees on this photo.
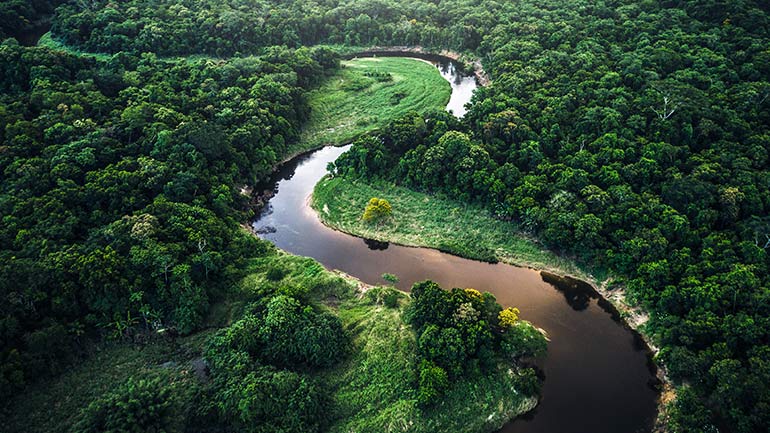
<point>119,189</point>
<point>260,379</point>
<point>138,405</point>
<point>18,16</point>
<point>634,136</point>
<point>245,26</point>
<point>462,332</point>
<point>262,368</point>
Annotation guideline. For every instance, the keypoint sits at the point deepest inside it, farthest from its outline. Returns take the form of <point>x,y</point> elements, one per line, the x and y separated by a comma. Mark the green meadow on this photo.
<point>367,93</point>
<point>419,219</point>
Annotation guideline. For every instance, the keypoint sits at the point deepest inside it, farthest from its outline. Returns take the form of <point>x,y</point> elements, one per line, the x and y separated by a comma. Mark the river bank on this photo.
<point>472,63</point>
<point>420,220</point>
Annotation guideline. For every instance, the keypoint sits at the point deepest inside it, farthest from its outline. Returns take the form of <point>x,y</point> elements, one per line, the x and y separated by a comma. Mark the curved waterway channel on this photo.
<point>598,377</point>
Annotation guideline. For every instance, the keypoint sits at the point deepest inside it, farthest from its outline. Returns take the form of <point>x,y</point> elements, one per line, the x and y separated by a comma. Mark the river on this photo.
<point>598,376</point>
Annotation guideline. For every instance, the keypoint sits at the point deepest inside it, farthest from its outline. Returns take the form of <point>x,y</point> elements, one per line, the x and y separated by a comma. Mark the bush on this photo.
<point>383,296</point>
<point>276,273</point>
<point>266,400</point>
<point>377,209</point>
<point>445,347</point>
<point>392,279</point>
<point>523,339</point>
<point>433,383</point>
<point>139,405</point>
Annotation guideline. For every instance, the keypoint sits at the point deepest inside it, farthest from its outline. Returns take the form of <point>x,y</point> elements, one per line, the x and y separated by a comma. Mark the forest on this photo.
<point>632,136</point>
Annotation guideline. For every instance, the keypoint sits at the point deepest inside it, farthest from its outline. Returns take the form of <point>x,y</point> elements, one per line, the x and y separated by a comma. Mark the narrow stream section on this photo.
<point>598,377</point>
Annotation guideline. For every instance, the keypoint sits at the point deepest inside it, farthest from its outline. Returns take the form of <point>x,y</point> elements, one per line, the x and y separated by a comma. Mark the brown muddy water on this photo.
<point>598,374</point>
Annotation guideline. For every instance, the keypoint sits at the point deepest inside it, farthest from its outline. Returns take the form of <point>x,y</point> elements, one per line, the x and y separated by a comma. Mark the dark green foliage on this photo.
<point>460,334</point>
<point>119,194</point>
<point>276,273</point>
<point>20,16</point>
<point>267,400</point>
<point>296,335</point>
<point>285,333</point>
<point>139,405</point>
<point>445,347</point>
<point>633,137</point>
<point>260,383</point>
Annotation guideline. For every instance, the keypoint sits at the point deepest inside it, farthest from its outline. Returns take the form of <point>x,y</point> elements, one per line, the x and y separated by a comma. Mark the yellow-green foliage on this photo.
<point>377,209</point>
<point>508,317</point>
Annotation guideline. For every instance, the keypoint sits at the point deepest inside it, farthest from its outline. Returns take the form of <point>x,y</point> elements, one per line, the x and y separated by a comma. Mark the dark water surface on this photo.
<point>597,376</point>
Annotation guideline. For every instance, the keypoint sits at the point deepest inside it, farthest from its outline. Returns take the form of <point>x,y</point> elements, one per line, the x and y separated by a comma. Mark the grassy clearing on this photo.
<point>424,220</point>
<point>48,41</point>
<point>367,93</point>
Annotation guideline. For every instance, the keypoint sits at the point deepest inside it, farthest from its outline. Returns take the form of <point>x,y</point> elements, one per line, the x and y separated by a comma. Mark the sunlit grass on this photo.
<point>420,219</point>
<point>350,103</point>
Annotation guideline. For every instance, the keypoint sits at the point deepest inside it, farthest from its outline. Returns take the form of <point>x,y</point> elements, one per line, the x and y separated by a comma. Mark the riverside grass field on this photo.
<point>423,220</point>
<point>367,93</point>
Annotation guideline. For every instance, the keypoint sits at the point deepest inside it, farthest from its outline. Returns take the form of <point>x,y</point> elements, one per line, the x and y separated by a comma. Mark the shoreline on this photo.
<point>630,317</point>
<point>482,78</point>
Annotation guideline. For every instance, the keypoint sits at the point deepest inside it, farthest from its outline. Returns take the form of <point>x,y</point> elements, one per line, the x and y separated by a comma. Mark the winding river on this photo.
<point>598,377</point>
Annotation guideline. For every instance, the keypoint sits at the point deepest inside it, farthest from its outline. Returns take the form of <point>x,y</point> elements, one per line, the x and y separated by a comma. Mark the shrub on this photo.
<point>377,209</point>
<point>276,273</point>
<point>445,347</point>
<point>433,383</point>
<point>523,339</point>
<point>139,405</point>
<point>383,296</point>
<point>266,400</point>
<point>390,278</point>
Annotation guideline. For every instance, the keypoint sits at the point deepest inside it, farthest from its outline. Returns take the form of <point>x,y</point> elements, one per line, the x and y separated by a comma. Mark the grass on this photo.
<point>420,219</point>
<point>374,389</point>
<point>49,42</point>
<point>367,93</point>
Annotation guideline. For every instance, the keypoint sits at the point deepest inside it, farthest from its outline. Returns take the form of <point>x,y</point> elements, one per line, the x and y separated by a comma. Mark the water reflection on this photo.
<point>462,86</point>
<point>594,364</point>
<point>376,245</point>
<point>578,294</point>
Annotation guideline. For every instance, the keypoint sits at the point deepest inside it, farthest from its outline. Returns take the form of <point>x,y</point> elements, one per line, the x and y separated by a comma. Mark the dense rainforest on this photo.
<point>631,135</point>
<point>120,187</point>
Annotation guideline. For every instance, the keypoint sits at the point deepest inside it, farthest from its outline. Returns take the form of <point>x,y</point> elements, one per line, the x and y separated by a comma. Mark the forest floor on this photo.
<point>447,225</point>
<point>367,93</point>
